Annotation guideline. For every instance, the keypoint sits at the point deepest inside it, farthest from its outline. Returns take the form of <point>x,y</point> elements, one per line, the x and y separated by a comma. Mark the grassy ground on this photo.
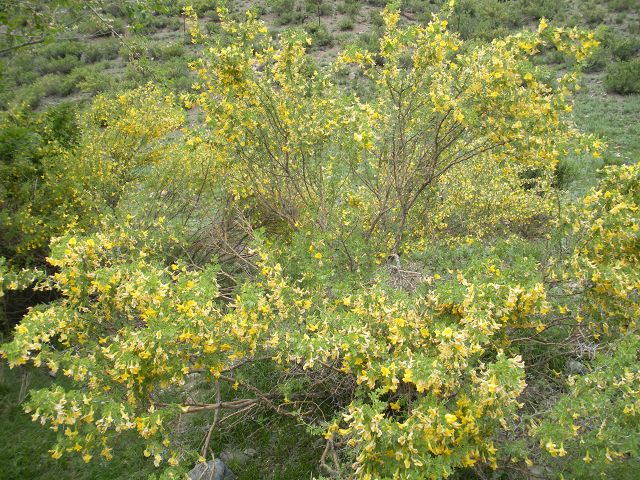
<point>24,453</point>
<point>612,116</point>
<point>283,449</point>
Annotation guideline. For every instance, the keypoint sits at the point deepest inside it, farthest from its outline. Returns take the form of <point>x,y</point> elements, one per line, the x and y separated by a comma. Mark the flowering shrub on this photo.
<point>295,147</point>
<point>277,235</point>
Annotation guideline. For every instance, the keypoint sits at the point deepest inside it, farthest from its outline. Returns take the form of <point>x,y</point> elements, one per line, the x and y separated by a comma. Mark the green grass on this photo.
<point>284,449</point>
<point>614,117</point>
<point>24,453</point>
<point>609,116</point>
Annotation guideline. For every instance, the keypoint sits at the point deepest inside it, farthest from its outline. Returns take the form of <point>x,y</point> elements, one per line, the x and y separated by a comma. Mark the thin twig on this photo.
<point>215,420</point>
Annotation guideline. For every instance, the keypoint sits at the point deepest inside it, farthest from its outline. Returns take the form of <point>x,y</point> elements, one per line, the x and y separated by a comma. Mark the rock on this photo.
<point>211,470</point>
<point>234,456</point>
<point>574,367</point>
<point>537,471</point>
<point>250,451</point>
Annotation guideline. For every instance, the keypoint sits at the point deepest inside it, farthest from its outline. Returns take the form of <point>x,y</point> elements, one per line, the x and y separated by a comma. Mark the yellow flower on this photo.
<point>450,418</point>
<point>543,25</point>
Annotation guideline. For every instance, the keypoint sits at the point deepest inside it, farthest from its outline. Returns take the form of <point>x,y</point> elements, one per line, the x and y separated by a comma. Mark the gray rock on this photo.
<point>574,367</point>
<point>211,470</point>
<point>250,451</point>
<point>237,456</point>
<point>234,456</point>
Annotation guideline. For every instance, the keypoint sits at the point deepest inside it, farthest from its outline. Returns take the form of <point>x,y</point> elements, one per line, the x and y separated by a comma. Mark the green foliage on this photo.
<point>106,50</point>
<point>318,8</point>
<point>59,65</point>
<point>592,430</point>
<point>610,117</point>
<point>604,262</point>
<point>26,159</point>
<point>485,19</point>
<point>623,77</point>
<point>592,13</point>
<point>288,11</point>
<point>388,258</point>
<point>62,177</point>
<point>346,24</point>
<point>623,48</point>
<point>621,5</point>
<point>320,35</point>
<point>166,51</point>
<point>349,7</point>
<point>28,456</point>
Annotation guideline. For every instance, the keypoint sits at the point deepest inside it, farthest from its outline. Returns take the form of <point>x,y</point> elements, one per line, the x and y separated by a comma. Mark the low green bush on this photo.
<point>174,23</point>
<point>321,37</point>
<point>104,50</point>
<point>622,5</point>
<point>368,40</point>
<point>116,9</point>
<point>175,75</point>
<point>295,17</point>
<point>287,12</point>
<point>58,85</point>
<point>93,27</point>
<point>542,8</point>
<point>61,49</point>
<point>317,8</point>
<point>57,65</point>
<point>597,62</point>
<point>160,51</point>
<point>25,77</point>
<point>623,48</point>
<point>135,48</point>
<point>592,14</point>
<point>419,7</point>
<point>376,19</point>
<point>94,82</point>
<point>346,24</point>
<point>623,77</point>
<point>152,24</point>
<point>348,7</point>
<point>211,28</point>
